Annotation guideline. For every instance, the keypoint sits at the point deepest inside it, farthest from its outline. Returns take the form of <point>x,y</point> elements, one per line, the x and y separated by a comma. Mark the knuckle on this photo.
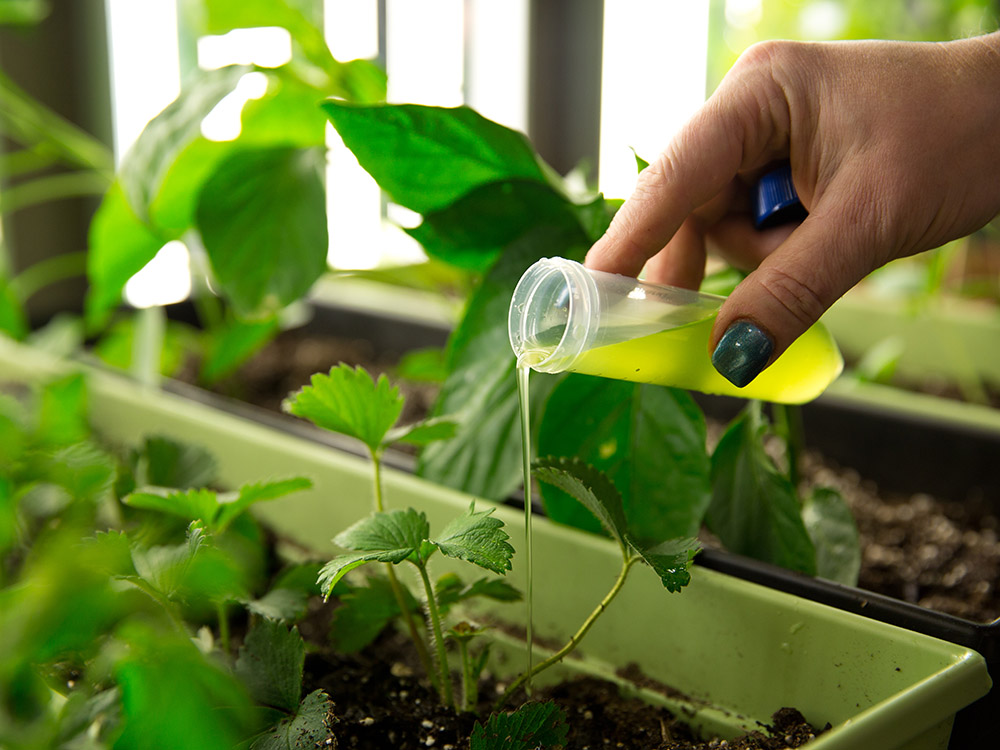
<point>799,298</point>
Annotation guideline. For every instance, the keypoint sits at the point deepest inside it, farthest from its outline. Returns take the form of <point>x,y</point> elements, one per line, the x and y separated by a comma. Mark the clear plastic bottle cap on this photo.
<point>553,314</point>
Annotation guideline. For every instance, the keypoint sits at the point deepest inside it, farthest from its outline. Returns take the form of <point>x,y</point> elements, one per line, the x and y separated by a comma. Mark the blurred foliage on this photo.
<point>102,598</point>
<point>734,25</point>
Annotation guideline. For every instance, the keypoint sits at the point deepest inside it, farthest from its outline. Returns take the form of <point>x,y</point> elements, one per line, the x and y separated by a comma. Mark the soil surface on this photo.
<point>380,702</point>
<point>937,553</point>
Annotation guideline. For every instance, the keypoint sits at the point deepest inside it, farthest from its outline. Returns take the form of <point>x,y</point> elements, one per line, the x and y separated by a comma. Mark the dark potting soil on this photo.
<point>380,702</point>
<point>940,554</point>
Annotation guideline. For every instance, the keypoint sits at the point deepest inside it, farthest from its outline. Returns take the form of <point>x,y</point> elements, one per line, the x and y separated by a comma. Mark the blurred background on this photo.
<point>591,83</point>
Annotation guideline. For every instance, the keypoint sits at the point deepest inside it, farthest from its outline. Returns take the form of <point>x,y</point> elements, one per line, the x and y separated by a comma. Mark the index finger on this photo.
<point>720,140</point>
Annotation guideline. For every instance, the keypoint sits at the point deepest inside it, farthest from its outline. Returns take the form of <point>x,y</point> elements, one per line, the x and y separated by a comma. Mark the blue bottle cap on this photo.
<point>775,199</point>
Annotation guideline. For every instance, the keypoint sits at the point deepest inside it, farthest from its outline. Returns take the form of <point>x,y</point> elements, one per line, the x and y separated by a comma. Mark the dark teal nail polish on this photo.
<point>742,353</point>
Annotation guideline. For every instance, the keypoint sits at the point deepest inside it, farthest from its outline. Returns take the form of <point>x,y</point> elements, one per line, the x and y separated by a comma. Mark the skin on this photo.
<point>894,149</point>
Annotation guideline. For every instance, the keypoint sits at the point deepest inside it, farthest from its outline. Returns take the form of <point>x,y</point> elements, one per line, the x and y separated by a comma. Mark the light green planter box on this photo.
<point>737,650</point>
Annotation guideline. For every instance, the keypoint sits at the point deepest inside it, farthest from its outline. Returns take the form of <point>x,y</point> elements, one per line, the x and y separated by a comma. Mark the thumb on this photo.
<point>787,293</point>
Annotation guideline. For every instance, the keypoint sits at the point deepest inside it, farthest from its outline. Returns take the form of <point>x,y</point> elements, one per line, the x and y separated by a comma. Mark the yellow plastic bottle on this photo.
<point>564,317</point>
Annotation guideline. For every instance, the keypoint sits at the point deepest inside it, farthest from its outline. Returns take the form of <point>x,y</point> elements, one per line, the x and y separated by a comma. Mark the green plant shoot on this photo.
<point>348,401</point>
<point>669,559</point>
<point>404,535</point>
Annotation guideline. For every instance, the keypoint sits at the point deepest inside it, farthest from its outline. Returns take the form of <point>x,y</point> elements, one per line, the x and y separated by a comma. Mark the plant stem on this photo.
<point>443,674</point>
<point>574,639</point>
<point>463,650</point>
<point>397,589</point>
<point>147,345</point>
<point>788,420</point>
<point>223,617</point>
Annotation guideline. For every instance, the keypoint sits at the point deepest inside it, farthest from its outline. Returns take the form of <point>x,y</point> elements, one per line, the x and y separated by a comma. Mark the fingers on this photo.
<point>682,261</point>
<point>788,292</point>
<point>699,163</point>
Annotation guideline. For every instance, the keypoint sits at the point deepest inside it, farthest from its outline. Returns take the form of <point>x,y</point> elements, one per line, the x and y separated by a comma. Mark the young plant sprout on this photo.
<point>349,402</point>
<point>393,537</point>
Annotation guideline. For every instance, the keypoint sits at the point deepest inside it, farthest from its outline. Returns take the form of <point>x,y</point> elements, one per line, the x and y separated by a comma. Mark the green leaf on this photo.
<point>392,530</point>
<point>270,664</point>
<point>834,534</point>
<point>117,345</point>
<point>120,244</point>
<point>640,163</point>
<point>477,538</point>
<point>423,432</point>
<point>423,366</point>
<point>164,462</point>
<point>471,232</point>
<point>649,440</point>
<point>13,320</point>
<point>364,612</point>
<point>158,669</point>
<point>754,509</point>
<point>262,217</point>
<point>310,727</point>
<point>484,458</point>
<point>348,401</point>
<point>450,589</point>
<point>284,604</point>
<point>84,470</point>
<point>671,560</point>
<point>233,343</point>
<point>62,412</point>
<point>590,487</point>
<point>425,158</point>
<point>216,510</point>
<point>532,726</point>
<point>232,504</point>
<point>146,164</point>
<point>383,537</point>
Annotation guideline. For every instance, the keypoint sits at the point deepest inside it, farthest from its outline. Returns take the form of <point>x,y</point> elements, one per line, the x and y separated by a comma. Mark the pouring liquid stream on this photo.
<point>524,362</point>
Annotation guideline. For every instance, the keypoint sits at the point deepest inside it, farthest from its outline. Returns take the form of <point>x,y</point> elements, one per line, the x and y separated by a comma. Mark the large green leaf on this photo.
<point>425,158</point>
<point>262,217</point>
<point>120,245</point>
<point>386,532</point>
<point>348,401</point>
<point>363,612</point>
<point>754,509</point>
<point>480,392</point>
<point>650,440</point>
<point>473,230</point>
<point>147,162</point>
<point>156,669</point>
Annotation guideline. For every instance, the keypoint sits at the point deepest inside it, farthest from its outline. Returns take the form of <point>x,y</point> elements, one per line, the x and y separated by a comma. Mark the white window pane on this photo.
<point>654,78</point>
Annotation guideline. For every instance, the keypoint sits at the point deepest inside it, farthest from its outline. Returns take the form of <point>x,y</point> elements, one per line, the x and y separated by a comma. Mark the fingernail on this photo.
<point>742,353</point>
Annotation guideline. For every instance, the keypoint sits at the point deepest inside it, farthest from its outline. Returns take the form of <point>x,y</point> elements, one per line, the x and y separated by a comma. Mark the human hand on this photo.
<point>894,149</point>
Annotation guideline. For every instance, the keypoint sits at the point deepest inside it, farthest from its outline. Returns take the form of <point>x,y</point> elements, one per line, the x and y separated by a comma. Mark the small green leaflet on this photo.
<point>284,604</point>
<point>270,664</point>
<point>423,432</point>
<point>530,727</point>
<point>671,560</point>
<point>309,728</point>
<point>834,534</point>
<point>216,510</point>
<point>348,401</point>
<point>450,589</point>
